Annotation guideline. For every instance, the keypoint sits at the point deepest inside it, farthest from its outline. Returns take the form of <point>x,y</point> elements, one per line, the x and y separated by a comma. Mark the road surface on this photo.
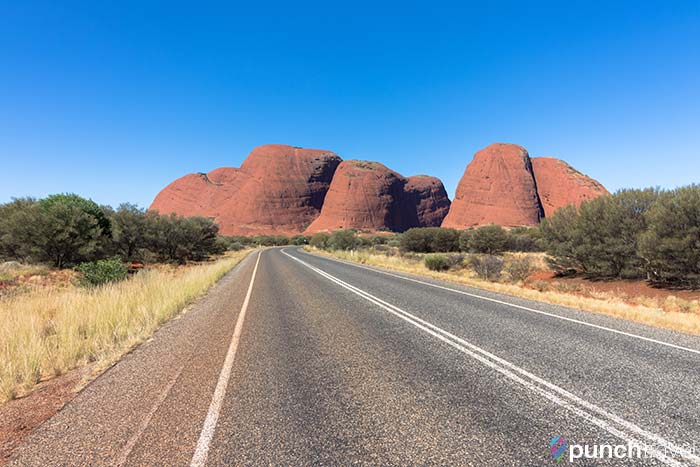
<point>296,360</point>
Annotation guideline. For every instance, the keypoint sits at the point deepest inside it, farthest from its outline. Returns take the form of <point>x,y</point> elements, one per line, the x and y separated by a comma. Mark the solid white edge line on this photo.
<point>199,459</point>
<point>513,305</point>
<point>504,367</point>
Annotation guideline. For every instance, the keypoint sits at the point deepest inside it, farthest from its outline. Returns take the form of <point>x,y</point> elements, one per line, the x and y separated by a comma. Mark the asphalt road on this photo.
<point>296,360</point>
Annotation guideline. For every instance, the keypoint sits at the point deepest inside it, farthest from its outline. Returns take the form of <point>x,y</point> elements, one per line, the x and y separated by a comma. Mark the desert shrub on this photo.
<point>415,240</point>
<point>235,246</point>
<point>670,247</point>
<point>181,239</point>
<point>129,231</point>
<point>363,242</point>
<point>487,267</point>
<point>600,238</point>
<point>375,240</point>
<point>444,240</point>
<point>437,262</point>
<point>560,236</point>
<point>489,239</point>
<point>271,240</point>
<point>525,239</point>
<point>103,271</point>
<point>16,219</point>
<point>386,249</point>
<point>342,240</point>
<point>519,269</point>
<point>61,229</point>
<point>319,240</point>
<point>464,238</point>
<point>245,241</point>
<point>455,260</point>
<point>430,240</point>
<point>299,240</point>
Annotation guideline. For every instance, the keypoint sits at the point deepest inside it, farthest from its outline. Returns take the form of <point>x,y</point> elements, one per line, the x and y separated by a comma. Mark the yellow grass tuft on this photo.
<point>671,313</point>
<point>47,332</point>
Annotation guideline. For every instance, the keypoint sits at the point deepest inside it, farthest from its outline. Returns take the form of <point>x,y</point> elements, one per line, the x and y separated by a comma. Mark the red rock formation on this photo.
<point>427,196</point>
<point>369,196</point>
<point>498,187</point>
<point>363,195</point>
<point>559,184</point>
<point>190,195</point>
<point>278,190</point>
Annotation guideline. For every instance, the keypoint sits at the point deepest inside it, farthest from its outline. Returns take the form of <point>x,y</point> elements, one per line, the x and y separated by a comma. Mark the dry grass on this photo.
<point>49,331</point>
<point>671,313</point>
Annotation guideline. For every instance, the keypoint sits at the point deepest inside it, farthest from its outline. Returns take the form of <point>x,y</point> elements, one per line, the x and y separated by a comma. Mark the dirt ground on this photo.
<point>628,290</point>
<point>20,417</point>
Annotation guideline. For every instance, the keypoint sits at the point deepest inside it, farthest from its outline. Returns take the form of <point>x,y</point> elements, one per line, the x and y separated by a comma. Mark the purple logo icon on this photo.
<point>558,447</point>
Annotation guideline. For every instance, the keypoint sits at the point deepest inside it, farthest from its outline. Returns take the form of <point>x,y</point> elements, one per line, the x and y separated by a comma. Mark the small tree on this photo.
<point>443,240</point>
<point>489,239</point>
<point>465,237</point>
<point>68,229</point>
<point>129,231</point>
<point>416,240</point>
<point>182,239</point>
<point>670,247</point>
<point>17,221</point>
<point>319,240</point>
<point>342,240</point>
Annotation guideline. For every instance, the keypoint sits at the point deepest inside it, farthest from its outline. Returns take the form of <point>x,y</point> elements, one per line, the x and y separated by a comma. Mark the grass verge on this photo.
<point>51,331</point>
<point>687,322</point>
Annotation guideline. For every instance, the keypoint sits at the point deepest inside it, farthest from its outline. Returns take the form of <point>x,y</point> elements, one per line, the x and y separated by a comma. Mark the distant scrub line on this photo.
<point>652,234</point>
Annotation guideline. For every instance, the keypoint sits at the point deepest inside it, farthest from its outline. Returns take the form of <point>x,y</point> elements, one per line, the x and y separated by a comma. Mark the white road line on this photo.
<point>199,459</point>
<point>501,302</point>
<point>600,417</point>
<point>131,443</point>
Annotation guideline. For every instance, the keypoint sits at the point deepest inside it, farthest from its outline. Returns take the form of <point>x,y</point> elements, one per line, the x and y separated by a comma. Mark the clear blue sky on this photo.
<point>113,100</point>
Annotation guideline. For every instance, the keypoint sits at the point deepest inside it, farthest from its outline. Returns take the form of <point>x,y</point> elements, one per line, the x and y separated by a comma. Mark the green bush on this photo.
<point>670,247</point>
<point>271,240</point>
<point>487,267</point>
<point>61,229</point>
<point>600,238</point>
<point>430,240</point>
<point>181,239</point>
<point>525,239</point>
<point>342,240</point>
<point>437,262</point>
<point>299,240</point>
<point>375,240</point>
<point>489,239</point>
<point>235,246</point>
<point>319,240</point>
<point>465,237</point>
<point>103,271</point>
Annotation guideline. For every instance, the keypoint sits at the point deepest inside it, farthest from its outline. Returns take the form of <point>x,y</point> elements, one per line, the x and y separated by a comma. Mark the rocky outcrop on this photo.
<point>370,196</point>
<point>363,195</point>
<point>288,190</point>
<point>498,187</point>
<point>427,197</point>
<point>279,189</point>
<point>559,184</point>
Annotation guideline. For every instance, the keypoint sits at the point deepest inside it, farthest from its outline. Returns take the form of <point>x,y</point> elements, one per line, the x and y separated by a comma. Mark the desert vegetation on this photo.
<point>649,234</point>
<point>74,288</point>
<point>47,333</point>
